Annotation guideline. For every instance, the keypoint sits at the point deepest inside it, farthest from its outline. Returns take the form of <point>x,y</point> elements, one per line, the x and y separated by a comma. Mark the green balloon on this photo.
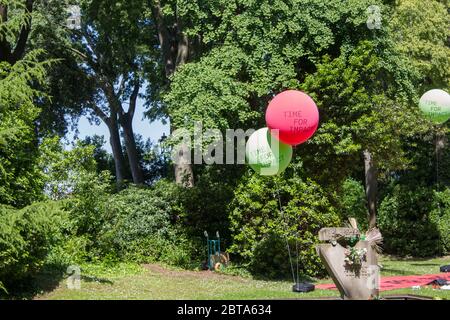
<point>435,104</point>
<point>267,155</point>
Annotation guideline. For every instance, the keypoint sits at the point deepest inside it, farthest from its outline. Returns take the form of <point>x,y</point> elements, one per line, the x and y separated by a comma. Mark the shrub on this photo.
<point>87,203</point>
<point>26,238</point>
<point>175,249</point>
<point>132,215</point>
<point>412,223</point>
<point>135,224</point>
<point>204,207</point>
<point>259,231</point>
<point>440,217</point>
<point>353,203</point>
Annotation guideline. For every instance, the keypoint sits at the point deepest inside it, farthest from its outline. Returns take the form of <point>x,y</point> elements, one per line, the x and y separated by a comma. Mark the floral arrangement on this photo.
<point>355,256</point>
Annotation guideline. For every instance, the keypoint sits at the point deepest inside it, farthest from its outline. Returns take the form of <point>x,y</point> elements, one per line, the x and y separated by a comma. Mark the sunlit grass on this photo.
<point>131,281</point>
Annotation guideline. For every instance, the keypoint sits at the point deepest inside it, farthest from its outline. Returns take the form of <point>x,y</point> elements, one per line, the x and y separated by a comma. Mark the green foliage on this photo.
<point>11,28</point>
<point>440,217</point>
<point>259,229</point>
<point>209,92</point>
<point>353,204</point>
<point>365,82</point>
<point>204,207</point>
<point>138,227</point>
<point>87,205</point>
<point>359,112</point>
<point>414,221</point>
<point>63,169</point>
<point>175,249</point>
<point>26,238</point>
<point>132,225</point>
<point>131,215</point>
<point>421,31</point>
<point>20,182</point>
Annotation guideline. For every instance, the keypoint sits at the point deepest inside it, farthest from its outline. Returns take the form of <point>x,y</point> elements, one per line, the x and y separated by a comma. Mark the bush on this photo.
<point>440,217</point>
<point>87,203</point>
<point>204,207</point>
<point>412,222</point>
<point>259,231</point>
<point>26,238</point>
<point>135,224</point>
<point>132,215</point>
<point>175,249</point>
<point>353,203</point>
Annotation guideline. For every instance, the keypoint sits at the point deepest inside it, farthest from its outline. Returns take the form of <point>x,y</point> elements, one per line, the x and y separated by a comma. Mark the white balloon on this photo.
<point>435,104</point>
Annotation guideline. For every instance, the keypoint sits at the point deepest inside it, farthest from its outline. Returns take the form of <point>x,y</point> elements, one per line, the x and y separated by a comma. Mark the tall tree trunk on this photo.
<point>125,119</point>
<point>175,50</point>
<point>126,122</point>
<point>371,187</point>
<point>130,145</point>
<point>116,146</point>
<point>184,173</point>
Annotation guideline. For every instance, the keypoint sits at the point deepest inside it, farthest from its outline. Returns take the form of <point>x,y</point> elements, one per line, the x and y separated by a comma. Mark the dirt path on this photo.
<point>207,274</point>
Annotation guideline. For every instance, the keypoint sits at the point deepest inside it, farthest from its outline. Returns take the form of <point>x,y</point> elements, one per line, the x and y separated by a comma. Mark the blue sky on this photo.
<point>141,126</point>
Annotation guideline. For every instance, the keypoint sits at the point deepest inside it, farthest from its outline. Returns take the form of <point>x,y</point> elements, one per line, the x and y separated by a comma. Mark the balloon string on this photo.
<point>437,158</point>
<point>285,233</point>
<point>296,247</point>
<point>296,237</point>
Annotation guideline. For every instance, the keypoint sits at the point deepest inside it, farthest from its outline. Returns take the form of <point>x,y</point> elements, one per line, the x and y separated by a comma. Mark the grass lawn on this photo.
<point>129,281</point>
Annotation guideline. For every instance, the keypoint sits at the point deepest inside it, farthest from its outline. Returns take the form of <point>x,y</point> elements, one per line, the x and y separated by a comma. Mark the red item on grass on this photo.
<point>399,282</point>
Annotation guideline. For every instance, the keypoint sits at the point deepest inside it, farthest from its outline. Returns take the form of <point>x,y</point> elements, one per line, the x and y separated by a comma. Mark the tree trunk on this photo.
<point>5,48</point>
<point>175,50</point>
<point>130,145</point>
<point>184,172</point>
<point>371,187</point>
<point>116,145</point>
<point>125,119</point>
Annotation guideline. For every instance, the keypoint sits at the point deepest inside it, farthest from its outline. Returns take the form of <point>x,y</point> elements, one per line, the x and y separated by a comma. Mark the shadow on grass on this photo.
<point>45,281</point>
<point>98,280</point>
<point>287,278</point>
<point>29,287</point>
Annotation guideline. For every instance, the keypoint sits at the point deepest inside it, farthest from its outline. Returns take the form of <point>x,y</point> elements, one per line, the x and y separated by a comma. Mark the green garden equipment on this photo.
<point>216,259</point>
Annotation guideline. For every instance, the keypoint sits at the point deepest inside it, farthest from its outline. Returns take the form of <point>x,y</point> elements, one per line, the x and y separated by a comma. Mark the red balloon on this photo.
<point>295,115</point>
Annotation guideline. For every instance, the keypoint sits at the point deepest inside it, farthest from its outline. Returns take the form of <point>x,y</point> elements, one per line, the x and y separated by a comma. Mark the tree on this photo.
<point>110,47</point>
<point>23,74</point>
<point>20,178</point>
<point>178,27</point>
<point>422,33</point>
<point>363,84</point>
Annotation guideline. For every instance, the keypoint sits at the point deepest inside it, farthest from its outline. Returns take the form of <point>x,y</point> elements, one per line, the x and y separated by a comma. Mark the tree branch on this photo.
<point>99,112</point>
<point>122,86</point>
<point>133,99</point>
